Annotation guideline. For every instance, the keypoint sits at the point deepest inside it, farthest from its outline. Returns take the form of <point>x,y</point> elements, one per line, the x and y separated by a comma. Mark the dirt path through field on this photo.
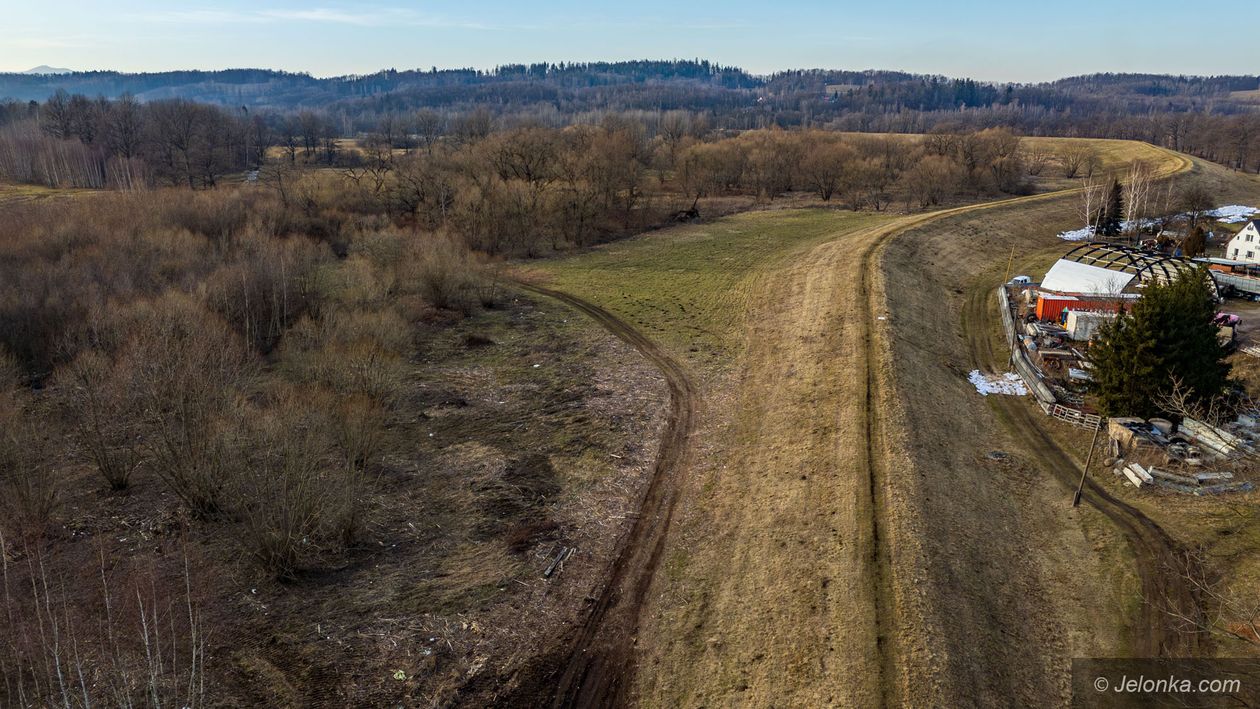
<point>599,660</point>
<point>1159,560</point>
<point>790,579</point>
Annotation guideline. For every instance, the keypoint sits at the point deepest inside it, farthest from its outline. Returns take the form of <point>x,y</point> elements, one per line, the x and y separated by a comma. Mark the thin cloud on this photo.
<point>367,17</point>
<point>45,43</point>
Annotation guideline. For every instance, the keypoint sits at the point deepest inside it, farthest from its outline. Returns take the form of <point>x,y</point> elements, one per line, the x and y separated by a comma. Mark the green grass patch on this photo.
<point>689,287</point>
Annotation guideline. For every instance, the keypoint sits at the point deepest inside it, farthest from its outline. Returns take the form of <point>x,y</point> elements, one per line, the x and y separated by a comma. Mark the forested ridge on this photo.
<point>1215,117</point>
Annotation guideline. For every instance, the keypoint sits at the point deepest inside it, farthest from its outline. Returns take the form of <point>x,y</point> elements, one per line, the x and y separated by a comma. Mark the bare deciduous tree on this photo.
<point>1090,206</point>
<point>102,403</point>
<point>824,163</point>
<point>430,127</point>
<point>1079,160</point>
<point>1137,196</point>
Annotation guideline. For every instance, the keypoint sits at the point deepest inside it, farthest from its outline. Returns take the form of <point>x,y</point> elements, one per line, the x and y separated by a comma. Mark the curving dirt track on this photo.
<point>598,666</point>
<point>808,356</point>
<point>1159,559</point>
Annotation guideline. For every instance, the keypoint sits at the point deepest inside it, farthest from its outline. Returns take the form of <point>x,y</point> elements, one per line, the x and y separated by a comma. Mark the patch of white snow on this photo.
<point>1008,383</point>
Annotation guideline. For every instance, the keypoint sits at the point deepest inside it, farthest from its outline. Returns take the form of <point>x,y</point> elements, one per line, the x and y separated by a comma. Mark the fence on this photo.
<point>1076,417</point>
<point>1022,366</point>
<point>1027,372</point>
<point>1008,320</point>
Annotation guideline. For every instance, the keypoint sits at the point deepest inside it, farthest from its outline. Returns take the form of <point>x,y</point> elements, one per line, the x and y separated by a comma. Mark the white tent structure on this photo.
<point>1083,278</point>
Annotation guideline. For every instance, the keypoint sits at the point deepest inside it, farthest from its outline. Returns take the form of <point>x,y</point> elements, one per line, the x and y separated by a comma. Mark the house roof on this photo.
<point>1222,261</point>
<point>1250,223</point>
<point>1075,277</point>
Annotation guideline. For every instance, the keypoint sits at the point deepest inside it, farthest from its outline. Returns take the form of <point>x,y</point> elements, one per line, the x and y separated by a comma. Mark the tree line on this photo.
<point>74,141</point>
<point>1211,117</point>
<point>499,186</point>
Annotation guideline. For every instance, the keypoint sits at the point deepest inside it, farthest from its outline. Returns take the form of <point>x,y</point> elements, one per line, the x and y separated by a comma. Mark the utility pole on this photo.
<point>1076,499</point>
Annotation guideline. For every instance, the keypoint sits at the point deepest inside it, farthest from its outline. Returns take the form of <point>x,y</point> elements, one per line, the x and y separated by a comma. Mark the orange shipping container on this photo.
<point>1050,306</point>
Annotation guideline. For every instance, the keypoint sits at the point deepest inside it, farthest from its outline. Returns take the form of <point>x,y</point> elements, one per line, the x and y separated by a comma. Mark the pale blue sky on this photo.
<point>1011,40</point>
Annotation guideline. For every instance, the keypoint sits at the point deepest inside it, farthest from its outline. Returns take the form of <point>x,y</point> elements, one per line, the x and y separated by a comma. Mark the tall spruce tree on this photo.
<point>1168,336</point>
<point>1111,211</point>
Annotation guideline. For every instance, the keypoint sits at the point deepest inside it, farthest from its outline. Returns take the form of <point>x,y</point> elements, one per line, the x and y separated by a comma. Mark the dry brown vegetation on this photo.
<point>195,376</point>
<point>803,566</point>
<point>313,390</point>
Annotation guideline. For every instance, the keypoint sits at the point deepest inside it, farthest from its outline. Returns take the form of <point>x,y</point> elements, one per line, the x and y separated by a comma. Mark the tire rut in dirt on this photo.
<point>875,477</point>
<point>596,667</point>
<point>1161,564</point>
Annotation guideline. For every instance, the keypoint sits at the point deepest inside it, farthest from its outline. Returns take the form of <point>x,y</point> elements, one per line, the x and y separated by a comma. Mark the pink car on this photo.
<point>1226,320</point>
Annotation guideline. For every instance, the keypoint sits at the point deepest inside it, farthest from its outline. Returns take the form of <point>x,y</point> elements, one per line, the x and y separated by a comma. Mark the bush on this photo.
<point>354,352</point>
<point>266,288</point>
<point>297,498</point>
<point>190,373</point>
<point>28,490</point>
<point>100,399</point>
<point>443,272</point>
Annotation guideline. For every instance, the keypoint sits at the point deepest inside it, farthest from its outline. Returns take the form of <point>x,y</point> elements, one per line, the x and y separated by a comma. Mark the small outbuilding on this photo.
<point>1101,277</point>
<point>1071,286</point>
<point>1083,325</point>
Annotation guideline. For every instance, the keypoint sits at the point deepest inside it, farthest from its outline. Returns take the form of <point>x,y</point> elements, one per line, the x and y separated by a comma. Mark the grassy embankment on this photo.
<point>762,306</point>
<point>690,287</point>
<point>978,250</point>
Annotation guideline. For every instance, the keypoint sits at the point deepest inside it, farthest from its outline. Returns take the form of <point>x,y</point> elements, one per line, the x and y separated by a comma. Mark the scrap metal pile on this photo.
<point>1194,458</point>
<point>1061,364</point>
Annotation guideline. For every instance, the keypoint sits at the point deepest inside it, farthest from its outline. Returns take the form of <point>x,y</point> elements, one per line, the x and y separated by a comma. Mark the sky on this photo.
<point>1012,40</point>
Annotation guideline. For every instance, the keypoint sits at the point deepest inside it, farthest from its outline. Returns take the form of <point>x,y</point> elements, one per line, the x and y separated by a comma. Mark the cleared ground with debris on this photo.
<point>526,430</point>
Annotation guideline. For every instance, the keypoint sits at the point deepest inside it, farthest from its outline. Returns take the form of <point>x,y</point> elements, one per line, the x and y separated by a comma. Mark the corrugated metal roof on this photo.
<point>1074,277</point>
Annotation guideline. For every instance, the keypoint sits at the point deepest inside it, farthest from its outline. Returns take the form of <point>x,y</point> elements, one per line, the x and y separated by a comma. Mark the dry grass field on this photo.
<point>833,529</point>
<point>841,535</point>
<point>1246,96</point>
<point>17,194</point>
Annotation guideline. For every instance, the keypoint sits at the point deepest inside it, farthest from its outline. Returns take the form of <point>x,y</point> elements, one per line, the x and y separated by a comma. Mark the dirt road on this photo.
<point>598,664</point>
<point>1159,560</point>
<point>794,575</point>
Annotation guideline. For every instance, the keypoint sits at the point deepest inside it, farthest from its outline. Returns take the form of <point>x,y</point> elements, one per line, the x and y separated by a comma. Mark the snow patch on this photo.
<point>1231,214</point>
<point>1083,234</point>
<point>1008,383</point>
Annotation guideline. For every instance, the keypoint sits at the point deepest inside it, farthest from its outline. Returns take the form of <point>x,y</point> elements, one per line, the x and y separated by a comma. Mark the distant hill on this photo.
<point>556,82</point>
<point>869,100</point>
<point>45,69</point>
<point>280,89</point>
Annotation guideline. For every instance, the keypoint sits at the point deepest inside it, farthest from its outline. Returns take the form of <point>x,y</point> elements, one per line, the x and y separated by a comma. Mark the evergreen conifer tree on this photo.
<point>1168,336</point>
<point>1111,212</point>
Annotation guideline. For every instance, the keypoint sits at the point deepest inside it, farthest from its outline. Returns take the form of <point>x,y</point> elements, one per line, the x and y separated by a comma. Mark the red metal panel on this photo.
<point>1050,307</point>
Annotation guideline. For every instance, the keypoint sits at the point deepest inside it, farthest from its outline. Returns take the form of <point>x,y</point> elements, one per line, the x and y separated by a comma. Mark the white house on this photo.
<point>1245,246</point>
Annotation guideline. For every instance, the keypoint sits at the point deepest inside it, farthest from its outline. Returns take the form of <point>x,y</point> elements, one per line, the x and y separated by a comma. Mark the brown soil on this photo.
<point>520,431</point>
<point>597,666</point>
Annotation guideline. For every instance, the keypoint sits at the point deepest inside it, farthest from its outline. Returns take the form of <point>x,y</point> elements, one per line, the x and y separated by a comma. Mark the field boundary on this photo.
<point>599,666</point>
